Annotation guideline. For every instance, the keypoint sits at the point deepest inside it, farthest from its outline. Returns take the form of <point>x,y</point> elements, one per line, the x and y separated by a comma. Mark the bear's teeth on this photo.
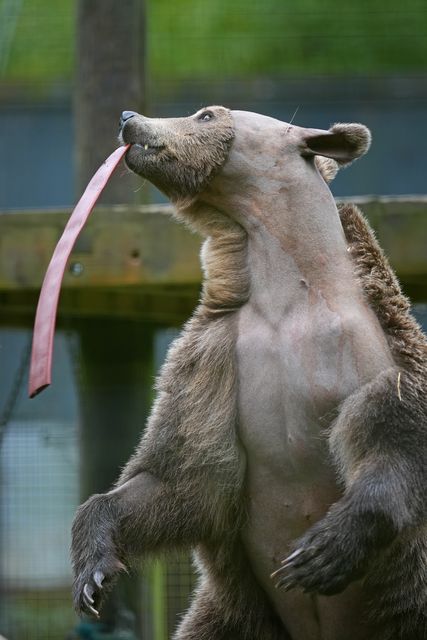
<point>146,146</point>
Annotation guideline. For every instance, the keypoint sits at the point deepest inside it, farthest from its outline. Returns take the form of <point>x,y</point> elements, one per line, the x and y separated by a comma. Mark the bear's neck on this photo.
<point>269,250</point>
<point>295,245</point>
<point>223,257</point>
<point>294,241</point>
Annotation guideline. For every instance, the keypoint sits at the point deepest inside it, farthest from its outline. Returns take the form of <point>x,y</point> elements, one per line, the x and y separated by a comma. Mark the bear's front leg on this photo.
<point>95,556</point>
<point>141,515</point>
<point>379,444</point>
<point>336,550</point>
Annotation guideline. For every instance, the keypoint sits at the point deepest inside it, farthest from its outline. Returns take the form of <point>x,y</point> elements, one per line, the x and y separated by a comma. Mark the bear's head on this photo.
<point>181,156</point>
<point>178,155</point>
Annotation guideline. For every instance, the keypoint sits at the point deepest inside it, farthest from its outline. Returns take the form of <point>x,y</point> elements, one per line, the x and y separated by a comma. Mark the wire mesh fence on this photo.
<point>41,458</point>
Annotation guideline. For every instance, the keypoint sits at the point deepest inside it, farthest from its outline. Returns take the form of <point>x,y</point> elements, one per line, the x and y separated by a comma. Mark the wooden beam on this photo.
<point>400,224</point>
<point>120,247</point>
<point>401,227</point>
<point>137,261</point>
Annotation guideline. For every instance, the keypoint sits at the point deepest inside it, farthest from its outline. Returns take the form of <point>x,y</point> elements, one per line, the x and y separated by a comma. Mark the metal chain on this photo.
<point>12,398</point>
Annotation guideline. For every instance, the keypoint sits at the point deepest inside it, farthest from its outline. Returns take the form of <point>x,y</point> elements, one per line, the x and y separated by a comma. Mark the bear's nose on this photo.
<point>126,115</point>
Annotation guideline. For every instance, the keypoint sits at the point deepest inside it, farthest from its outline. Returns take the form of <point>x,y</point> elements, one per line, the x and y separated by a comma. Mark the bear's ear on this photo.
<point>343,142</point>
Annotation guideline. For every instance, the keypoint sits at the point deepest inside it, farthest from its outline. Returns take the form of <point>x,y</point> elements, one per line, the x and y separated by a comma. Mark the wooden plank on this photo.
<point>401,227</point>
<point>135,261</point>
<point>120,246</point>
<point>400,224</point>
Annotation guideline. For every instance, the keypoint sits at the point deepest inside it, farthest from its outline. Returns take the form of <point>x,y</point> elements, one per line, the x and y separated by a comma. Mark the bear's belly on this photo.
<point>277,515</point>
<point>292,378</point>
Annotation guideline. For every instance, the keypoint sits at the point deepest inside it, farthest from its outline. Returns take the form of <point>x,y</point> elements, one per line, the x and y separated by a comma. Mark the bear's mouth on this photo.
<point>141,145</point>
<point>142,156</point>
<point>148,149</point>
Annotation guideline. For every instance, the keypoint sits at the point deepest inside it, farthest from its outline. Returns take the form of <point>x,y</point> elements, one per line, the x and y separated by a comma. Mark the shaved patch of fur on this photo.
<point>185,485</point>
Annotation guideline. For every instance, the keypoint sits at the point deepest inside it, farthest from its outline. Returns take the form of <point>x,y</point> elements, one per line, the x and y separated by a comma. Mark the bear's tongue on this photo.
<point>44,324</point>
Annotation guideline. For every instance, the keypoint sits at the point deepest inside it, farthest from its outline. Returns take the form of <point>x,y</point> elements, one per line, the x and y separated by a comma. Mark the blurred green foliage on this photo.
<point>268,37</point>
<point>220,39</point>
<point>38,40</point>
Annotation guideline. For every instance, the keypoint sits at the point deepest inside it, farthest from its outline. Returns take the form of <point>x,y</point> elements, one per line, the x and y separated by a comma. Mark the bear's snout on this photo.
<point>126,115</point>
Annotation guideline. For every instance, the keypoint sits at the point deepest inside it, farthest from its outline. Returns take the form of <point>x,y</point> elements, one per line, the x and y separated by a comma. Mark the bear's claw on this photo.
<point>90,591</point>
<point>91,586</point>
<point>326,559</point>
<point>88,601</point>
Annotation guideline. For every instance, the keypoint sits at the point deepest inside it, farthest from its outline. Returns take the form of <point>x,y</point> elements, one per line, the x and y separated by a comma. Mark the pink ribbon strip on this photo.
<point>44,324</point>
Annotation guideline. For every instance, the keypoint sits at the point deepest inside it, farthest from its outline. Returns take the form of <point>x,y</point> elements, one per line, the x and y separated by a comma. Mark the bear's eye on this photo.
<point>206,116</point>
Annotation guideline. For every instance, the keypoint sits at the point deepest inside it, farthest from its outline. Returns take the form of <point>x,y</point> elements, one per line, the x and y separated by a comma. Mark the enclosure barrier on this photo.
<point>136,261</point>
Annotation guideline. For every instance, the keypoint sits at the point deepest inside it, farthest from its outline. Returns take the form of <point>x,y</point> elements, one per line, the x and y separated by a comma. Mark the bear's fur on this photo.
<point>207,474</point>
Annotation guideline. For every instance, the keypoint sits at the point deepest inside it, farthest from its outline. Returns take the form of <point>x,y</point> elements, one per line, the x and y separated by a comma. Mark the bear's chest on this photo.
<point>291,377</point>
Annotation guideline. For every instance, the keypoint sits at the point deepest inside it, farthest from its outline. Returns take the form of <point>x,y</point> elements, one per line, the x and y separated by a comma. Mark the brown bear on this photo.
<point>287,444</point>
